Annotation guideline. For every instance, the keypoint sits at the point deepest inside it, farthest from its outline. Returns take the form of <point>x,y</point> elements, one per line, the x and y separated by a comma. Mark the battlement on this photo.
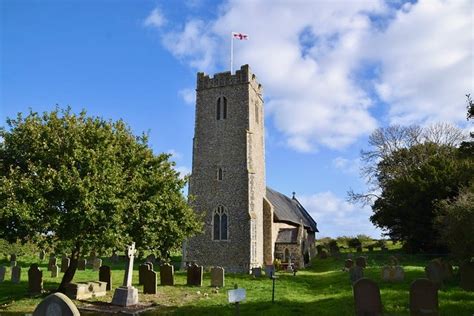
<point>244,75</point>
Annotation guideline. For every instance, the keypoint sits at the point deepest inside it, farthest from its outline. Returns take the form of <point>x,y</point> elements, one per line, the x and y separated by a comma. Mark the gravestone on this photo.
<point>56,304</point>
<point>3,271</point>
<point>12,263</point>
<point>257,272</point>
<point>359,249</point>
<point>269,270</point>
<point>86,290</point>
<point>217,277</point>
<point>96,264</point>
<point>393,261</point>
<point>54,271</point>
<point>150,264</point>
<point>16,274</point>
<point>141,272</point>
<point>393,274</point>
<point>367,298</point>
<point>348,263</point>
<point>149,282</point>
<point>81,264</point>
<point>65,261</point>
<point>434,272</point>
<point>323,254</point>
<point>13,257</point>
<point>466,272</point>
<point>166,274</point>
<point>356,273</point>
<point>35,279</point>
<point>127,295</point>
<point>361,262</point>
<point>105,275</point>
<point>447,269</point>
<point>399,274</point>
<point>53,261</point>
<point>387,273</point>
<point>194,275</point>
<point>423,298</point>
<point>42,254</point>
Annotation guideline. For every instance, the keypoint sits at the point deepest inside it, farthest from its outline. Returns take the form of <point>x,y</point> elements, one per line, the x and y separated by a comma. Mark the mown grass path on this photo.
<point>323,289</point>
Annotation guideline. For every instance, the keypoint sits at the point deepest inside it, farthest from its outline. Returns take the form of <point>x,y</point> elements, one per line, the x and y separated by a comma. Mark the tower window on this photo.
<point>256,113</point>
<point>220,174</point>
<point>220,220</point>
<point>221,108</point>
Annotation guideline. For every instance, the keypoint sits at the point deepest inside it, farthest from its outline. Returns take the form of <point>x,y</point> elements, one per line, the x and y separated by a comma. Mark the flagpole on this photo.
<point>231,51</point>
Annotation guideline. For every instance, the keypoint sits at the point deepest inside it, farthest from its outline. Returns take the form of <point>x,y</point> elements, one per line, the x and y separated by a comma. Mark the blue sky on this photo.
<point>332,72</point>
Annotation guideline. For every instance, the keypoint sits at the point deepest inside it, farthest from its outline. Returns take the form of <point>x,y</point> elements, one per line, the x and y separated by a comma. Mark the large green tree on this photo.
<point>77,184</point>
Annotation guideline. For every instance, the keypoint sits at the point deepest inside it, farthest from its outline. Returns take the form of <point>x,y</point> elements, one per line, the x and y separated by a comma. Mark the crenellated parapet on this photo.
<point>242,76</point>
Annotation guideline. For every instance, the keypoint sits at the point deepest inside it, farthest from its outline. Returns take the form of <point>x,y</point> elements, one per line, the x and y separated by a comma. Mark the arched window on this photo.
<point>221,108</point>
<point>224,114</point>
<point>220,221</point>
<point>220,174</point>
<point>218,109</point>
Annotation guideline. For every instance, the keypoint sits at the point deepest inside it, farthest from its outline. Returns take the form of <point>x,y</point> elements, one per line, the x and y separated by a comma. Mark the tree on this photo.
<point>75,184</point>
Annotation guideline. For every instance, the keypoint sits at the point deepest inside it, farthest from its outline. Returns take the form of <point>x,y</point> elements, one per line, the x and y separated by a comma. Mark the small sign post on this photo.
<point>236,296</point>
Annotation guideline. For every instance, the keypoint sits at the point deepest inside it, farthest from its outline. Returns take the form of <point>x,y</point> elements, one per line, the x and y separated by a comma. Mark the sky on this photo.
<point>332,72</point>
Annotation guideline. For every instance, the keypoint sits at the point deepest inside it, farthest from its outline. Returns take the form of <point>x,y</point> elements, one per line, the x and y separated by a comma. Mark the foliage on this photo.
<point>18,248</point>
<point>354,242</point>
<point>456,223</point>
<point>78,183</point>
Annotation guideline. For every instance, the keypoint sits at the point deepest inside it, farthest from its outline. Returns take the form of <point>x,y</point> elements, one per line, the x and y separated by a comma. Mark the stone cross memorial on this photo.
<point>127,295</point>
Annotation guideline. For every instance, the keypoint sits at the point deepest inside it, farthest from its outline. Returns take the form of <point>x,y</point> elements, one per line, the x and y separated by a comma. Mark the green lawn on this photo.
<point>323,289</point>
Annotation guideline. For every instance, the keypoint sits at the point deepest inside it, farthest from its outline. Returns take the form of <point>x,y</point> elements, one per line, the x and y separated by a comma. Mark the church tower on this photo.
<point>227,184</point>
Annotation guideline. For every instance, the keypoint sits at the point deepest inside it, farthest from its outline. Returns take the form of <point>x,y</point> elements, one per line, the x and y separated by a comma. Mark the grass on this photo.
<point>323,289</point>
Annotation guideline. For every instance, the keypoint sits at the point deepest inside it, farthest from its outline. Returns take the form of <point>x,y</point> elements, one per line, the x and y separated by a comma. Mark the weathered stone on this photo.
<point>466,272</point>
<point>141,272</point>
<point>393,274</point>
<point>149,282</point>
<point>3,271</point>
<point>65,261</point>
<point>194,275</point>
<point>356,273</point>
<point>434,272</point>
<point>56,304</point>
<point>105,275</point>
<point>423,298</point>
<point>150,264</point>
<point>53,261</point>
<point>85,290</point>
<point>361,262</point>
<point>348,263</point>
<point>16,274</point>
<point>217,277</point>
<point>447,270</point>
<point>166,274</point>
<point>35,279</point>
<point>96,264</point>
<point>257,272</point>
<point>367,298</point>
<point>54,271</point>
<point>393,261</point>
<point>269,270</point>
<point>127,295</point>
<point>399,275</point>
<point>81,264</point>
<point>151,258</point>
<point>42,254</point>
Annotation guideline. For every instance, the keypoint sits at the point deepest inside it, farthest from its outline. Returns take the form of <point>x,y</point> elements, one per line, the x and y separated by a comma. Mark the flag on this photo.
<point>240,36</point>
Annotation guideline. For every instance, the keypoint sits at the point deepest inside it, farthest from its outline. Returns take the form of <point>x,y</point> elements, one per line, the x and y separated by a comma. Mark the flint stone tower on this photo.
<point>227,184</point>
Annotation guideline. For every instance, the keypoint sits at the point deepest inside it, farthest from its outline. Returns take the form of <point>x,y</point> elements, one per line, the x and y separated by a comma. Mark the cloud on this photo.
<point>188,95</point>
<point>174,154</point>
<point>336,217</point>
<point>326,65</point>
<point>349,166</point>
<point>155,19</point>
<point>183,171</point>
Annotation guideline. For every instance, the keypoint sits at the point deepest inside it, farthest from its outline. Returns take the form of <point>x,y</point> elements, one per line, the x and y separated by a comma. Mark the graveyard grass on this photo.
<point>323,289</point>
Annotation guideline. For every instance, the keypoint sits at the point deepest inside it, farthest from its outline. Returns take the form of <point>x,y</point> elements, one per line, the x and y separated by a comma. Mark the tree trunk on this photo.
<point>71,270</point>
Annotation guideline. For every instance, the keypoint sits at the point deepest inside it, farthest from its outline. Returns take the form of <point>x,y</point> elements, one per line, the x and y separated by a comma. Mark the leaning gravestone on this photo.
<point>65,261</point>
<point>127,295</point>
<point>367,298</point>
<point>35,279</point>
<point>434,272</point>
<point>194,275</point>
<point>54,271</point>
<point>105,275</point>
<point>361,262</point>
<point>423,298</point>
<point>466,272</point>
<point>53,261</point>
<point>141,272</point>
<point>56,304</point>
<point>257,272</point>
<point>149,282</point>
<point>356,273</point>
<point>217,277</point>
<point>16,274</point>
<point>3,271</point>
<point>348,263</point>
<point>166,274</point>
<point>96,264</point>
<point>81,264</point>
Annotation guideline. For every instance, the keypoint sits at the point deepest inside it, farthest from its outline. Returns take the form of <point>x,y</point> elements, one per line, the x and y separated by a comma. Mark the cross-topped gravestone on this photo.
<point>127,295</point>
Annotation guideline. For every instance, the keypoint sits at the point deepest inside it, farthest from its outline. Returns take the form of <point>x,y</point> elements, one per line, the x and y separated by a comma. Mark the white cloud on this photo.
<point>336,217</point>
<point>155,18</point>
<point>174,154</point>
<point>188,95</point>
<point>183,171</point>
<point>349,166</point>
<point>313,58</point>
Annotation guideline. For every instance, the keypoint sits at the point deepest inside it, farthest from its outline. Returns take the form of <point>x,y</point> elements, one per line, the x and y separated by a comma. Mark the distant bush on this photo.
<point>354,243</point>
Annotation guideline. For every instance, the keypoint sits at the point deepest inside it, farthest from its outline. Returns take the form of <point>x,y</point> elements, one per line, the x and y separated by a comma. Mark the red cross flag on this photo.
<point>240,36</point>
